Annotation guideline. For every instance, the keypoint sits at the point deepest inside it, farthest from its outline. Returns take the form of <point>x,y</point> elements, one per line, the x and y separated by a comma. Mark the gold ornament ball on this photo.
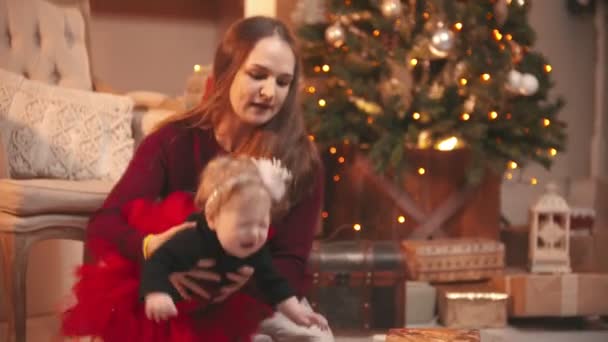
<point>335,35</point>
<point>390,8</point>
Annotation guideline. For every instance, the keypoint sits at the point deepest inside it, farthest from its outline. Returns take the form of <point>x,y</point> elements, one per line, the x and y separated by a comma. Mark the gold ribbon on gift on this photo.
<point>569,298</point>
<point>493,296</point>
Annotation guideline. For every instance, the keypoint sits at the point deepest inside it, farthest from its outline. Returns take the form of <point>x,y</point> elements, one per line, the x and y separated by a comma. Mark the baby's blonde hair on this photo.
<point>225,177</point>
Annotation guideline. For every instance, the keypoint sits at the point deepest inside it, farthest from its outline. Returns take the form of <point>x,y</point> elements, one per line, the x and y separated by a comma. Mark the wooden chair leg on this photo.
<point>14,255</point>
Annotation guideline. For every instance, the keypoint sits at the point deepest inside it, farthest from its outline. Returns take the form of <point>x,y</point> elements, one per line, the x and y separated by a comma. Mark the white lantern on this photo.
<point>550,234</point>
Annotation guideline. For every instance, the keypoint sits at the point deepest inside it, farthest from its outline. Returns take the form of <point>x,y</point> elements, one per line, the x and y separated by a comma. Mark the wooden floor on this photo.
<point>44,329</point>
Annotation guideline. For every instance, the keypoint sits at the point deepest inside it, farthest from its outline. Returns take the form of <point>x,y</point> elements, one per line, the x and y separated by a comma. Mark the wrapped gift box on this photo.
<point>537,295</point>
<point>432,335</point>
<point>582,219</point>
<point>420,302</point>
<point>472,306</point>
<point>583,249</point>
<point>453,260</point>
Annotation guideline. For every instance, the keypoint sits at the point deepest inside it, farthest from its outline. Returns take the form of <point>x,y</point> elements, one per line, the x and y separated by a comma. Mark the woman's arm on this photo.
<point>145,177</point>
<point>292,243</point>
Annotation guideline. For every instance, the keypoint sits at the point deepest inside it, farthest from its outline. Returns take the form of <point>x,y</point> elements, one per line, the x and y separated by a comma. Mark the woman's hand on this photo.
<point>186,282</point>
<point>157,240</point>
<point>239,279</point>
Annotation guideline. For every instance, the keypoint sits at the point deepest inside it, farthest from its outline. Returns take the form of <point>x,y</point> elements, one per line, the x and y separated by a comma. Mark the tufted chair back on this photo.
<point>47,40</point>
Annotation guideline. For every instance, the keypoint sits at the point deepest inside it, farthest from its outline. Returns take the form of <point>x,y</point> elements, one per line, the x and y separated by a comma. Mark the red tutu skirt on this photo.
<point>107,292</point>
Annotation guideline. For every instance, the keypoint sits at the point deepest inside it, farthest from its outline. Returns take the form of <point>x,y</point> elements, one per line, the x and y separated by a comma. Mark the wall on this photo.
<point>153,44</point>
<point>568,43</point>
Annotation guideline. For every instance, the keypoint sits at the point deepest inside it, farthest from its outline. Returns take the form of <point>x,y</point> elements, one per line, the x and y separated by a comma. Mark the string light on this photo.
<point>357,227</point>
<point>546,122</point>
<point>465,116</point>
<point>401,219</point>
<point>463,81</point>
<point>509,176</point>
<point>421,171</point>
<point>197,68</point>
<point>325,214</point>
<point>376,33</point>
<point>341,160</point>
<point>552,152</point>
<point>486,77</point>
<point>317,68</point>
<point>326,68</point>
<point>413,62</point>
<point>311,137</point>
<point>493,115</point>
<point>333,150</point>
<point>336,178</point>
<point>508,36</point>
<point>416,116</point>
<point>322,103</point>
<point>497,34</point>
<point>426,15</point>
<point>447,144</point>
<point>370,120</point>
<point>548,68</point>
<point>458,26</point>
<point>311,89</point>
<point>512,165</point>
<point>533,181</point>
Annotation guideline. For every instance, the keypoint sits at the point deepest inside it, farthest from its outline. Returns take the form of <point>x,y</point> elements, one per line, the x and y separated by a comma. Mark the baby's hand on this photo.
<point>313,318</point>
<point>160,306</point>
<point>301,315</point>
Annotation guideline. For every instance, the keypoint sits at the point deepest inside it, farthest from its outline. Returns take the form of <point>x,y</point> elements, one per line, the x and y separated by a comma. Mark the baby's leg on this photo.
<point>282,329</point>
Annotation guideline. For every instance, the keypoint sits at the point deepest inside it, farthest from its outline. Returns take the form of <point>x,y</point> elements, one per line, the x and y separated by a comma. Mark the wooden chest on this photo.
<point>359,285</point>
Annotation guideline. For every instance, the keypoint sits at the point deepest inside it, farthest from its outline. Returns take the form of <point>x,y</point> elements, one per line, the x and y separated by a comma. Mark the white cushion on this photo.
<point>50,196</point>
<point>55,132</point>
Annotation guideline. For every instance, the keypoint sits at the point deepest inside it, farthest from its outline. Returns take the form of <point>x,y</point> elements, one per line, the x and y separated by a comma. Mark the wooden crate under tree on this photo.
<point>437,203</point>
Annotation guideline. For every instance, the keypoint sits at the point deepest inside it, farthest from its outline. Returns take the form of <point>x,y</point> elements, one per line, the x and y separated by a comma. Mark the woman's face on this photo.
<point>261,84</point>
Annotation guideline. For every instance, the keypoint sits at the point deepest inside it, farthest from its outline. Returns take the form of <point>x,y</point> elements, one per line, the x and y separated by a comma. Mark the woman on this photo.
<point>252,110</point>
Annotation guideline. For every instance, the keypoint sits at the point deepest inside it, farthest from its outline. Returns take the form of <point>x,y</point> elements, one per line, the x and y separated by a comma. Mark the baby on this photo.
<point>238,195</point>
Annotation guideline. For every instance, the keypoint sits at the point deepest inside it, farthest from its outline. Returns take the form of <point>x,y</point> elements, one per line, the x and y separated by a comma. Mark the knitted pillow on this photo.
<point>55,132</point>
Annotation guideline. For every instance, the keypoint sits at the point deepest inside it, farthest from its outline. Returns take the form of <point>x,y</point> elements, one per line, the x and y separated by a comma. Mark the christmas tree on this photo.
<point>390,75</point>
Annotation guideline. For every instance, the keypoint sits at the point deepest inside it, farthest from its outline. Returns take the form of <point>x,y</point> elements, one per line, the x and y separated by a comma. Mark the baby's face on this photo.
<point>242,223</point>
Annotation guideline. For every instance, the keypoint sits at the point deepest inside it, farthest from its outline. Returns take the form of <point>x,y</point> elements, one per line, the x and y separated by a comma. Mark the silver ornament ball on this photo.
<point>442,42</point>
<point>513,80</point>
<point>335,35</point>
<point>528,85</point>
<point>390,8</point>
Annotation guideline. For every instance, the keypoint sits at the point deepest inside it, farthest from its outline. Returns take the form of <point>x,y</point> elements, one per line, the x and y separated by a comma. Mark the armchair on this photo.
<point>48,41</point>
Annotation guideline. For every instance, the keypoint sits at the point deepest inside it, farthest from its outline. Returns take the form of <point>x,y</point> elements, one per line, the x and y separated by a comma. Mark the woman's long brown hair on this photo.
<point>284,136</point>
